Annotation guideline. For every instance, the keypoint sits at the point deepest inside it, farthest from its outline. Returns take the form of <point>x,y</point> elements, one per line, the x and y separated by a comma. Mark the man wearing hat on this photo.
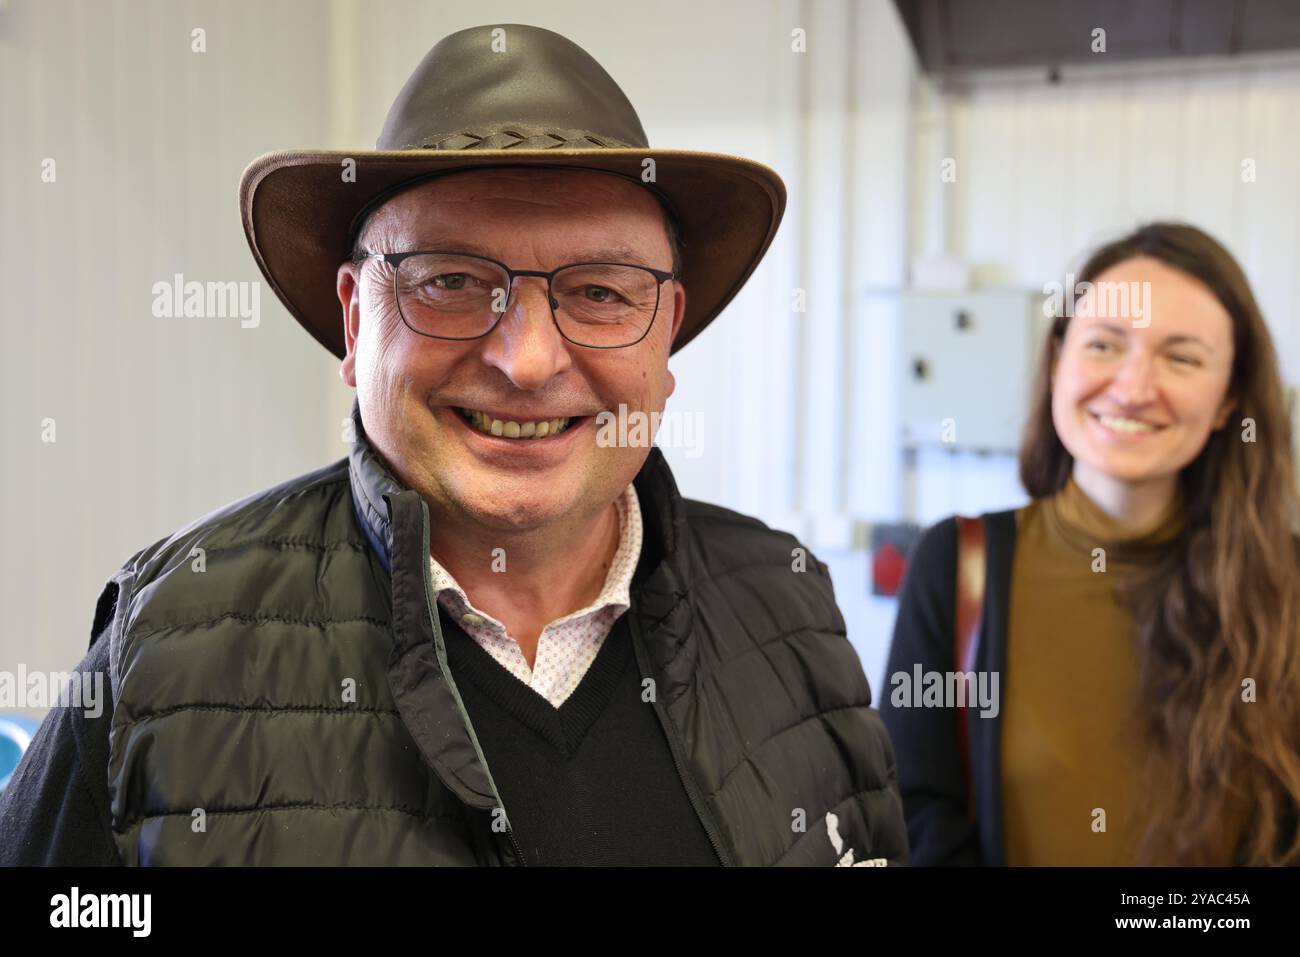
<point>488,635</point>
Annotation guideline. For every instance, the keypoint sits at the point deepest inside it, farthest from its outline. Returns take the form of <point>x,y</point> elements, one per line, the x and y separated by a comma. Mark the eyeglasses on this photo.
<point>459,296</point>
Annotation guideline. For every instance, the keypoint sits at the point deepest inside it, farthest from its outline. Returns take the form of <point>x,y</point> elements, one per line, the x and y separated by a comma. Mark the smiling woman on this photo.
<point>1188,414</point>
<point>1145,606</point>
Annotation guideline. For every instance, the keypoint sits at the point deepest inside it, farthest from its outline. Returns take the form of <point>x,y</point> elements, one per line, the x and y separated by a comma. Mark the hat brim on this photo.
<point>298,210</point>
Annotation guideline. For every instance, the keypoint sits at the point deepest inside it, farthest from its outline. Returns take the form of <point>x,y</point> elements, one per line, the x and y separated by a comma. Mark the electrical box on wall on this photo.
<point>968,363</point>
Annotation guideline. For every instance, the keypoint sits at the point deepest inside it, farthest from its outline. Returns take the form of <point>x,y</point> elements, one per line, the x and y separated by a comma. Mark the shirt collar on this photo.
<point>615,593</point>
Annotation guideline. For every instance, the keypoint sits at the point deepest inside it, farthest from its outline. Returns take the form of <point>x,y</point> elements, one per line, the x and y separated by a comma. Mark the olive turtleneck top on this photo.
<point>1072,743</point>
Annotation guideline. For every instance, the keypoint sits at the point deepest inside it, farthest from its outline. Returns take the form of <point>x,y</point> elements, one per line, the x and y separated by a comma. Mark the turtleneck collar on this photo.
<point>1085,525</point>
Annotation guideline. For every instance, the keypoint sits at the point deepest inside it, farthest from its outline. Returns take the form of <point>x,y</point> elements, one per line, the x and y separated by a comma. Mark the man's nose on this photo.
<point>1135,380</point>
<point>526,344</point>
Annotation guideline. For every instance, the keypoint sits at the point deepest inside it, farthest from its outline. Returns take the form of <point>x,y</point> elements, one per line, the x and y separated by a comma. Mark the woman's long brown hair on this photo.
<point>1223,604</point>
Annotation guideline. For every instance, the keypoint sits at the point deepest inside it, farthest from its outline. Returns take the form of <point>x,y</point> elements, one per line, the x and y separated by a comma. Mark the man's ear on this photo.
<point>679,308</point>
<point>679,313</point>
<point>348,287</point>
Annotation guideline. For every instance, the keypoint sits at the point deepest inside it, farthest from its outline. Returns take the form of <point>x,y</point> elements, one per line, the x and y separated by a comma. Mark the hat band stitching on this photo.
<point>518,139</point>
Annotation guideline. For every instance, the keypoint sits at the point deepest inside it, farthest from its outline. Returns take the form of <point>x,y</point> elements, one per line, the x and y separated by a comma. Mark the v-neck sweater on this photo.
<point>591,782</point>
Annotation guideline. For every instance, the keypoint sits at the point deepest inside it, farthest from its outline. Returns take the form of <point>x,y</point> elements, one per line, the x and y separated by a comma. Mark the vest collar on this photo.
<point>372,487</point>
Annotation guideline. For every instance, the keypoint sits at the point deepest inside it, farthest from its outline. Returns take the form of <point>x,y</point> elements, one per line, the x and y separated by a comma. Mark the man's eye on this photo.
<point>601,294</point>
<point>1097,345</point>
<point>1186,360</point>
<point>452,280</point>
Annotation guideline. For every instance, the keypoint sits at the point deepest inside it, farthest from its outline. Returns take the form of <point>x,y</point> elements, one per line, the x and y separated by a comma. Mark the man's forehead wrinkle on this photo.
<point>594,251</point>
<point>380,231</point>
<point>440,225</point>
<point>597,218</point>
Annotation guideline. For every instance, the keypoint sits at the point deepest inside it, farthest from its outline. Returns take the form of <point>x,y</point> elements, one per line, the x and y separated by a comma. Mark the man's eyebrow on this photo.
<point>615,253</point>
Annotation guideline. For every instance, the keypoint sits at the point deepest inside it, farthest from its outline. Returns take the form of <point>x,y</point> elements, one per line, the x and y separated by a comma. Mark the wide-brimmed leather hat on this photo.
<point>502,94</point>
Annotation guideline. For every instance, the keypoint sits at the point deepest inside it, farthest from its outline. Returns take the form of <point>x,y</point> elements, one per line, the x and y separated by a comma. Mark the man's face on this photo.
<point>412,388</point>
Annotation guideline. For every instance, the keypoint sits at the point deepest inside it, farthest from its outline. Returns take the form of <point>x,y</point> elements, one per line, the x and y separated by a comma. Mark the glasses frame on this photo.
<point>396,259</point>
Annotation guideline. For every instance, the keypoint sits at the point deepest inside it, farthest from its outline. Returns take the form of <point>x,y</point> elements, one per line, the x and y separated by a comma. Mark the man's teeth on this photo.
<point>1124,425</point>
<point>511,429</point>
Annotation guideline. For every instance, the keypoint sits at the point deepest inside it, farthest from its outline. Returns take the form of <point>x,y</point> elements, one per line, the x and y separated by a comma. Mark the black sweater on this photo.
<point>591,782</point>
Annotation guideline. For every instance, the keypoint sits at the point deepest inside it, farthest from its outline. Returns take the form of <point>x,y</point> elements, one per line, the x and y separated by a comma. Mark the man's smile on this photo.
<point>532,427</point>
<point>515,442</point>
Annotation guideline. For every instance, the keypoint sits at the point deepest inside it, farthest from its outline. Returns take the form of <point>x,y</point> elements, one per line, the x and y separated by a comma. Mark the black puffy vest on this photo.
<point>282,694</point>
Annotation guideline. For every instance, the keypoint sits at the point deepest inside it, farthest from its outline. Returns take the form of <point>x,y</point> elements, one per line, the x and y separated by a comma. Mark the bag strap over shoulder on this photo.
<point>971,578</point>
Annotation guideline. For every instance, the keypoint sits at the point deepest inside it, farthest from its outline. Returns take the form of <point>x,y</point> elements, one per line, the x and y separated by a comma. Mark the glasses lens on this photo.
<point>455,297</point>
<point>605,306</point>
